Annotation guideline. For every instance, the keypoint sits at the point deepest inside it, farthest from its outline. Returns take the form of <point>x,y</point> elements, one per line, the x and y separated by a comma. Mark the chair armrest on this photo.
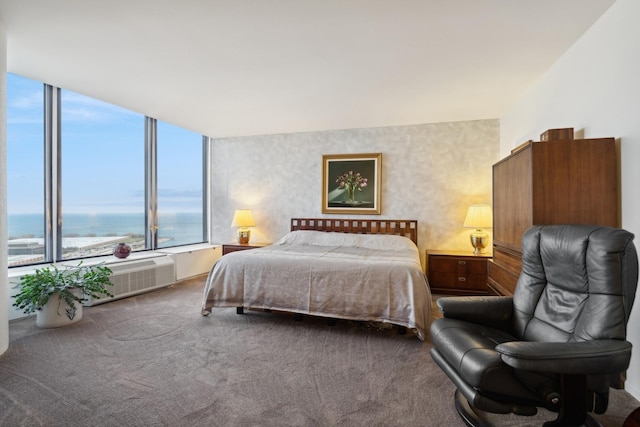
<point>489,311</point>
<point>585,357</point>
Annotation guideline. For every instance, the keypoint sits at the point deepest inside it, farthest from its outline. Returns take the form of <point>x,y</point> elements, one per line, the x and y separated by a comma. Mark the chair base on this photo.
<point>467,413</point>
<point>470,416</point>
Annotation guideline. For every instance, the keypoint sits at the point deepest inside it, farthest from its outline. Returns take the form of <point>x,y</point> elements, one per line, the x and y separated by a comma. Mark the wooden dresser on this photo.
<point>559,180</point>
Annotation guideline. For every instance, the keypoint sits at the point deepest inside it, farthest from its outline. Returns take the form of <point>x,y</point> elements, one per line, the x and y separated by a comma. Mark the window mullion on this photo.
<point>52,181</point>
<point>206,175</point>
<point>151,182</point>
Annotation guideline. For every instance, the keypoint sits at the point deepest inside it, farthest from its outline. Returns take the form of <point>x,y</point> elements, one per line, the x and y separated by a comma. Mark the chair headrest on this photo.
<point>578,282</point>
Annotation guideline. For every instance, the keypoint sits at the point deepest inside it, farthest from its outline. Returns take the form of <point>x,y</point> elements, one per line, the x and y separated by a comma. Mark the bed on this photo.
<point>364,270</point>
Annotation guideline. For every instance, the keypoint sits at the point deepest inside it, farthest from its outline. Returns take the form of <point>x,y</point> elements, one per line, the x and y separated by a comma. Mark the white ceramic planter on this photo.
<point>56,313</point>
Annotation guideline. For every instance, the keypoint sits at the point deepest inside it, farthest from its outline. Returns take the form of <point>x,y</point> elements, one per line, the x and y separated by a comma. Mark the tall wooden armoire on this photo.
<point>559,180</point>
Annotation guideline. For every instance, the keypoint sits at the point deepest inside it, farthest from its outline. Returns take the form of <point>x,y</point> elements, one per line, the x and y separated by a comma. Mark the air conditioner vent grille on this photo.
<point>134,265</point>
<point>135,277</point>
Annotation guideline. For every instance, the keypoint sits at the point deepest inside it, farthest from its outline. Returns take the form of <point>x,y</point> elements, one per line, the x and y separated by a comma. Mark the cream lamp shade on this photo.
<point>243,218</point>
<point>478,217</point>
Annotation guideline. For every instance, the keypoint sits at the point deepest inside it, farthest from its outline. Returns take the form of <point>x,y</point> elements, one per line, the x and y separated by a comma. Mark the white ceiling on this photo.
<point>248,67</point>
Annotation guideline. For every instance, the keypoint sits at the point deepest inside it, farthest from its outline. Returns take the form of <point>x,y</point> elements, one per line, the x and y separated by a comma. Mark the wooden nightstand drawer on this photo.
<point>461,273</point>
<point>234,247</point>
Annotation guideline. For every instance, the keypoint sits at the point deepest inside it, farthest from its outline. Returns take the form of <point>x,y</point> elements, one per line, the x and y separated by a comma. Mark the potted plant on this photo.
<point>57,294</point>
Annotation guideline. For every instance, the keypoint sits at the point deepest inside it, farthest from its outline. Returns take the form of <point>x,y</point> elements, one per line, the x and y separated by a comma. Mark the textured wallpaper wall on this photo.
<point>430,172</point>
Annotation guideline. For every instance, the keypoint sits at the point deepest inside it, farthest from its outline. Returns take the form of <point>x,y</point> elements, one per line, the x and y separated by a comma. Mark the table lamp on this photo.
<point>243,219</point>
<point>478,217</point>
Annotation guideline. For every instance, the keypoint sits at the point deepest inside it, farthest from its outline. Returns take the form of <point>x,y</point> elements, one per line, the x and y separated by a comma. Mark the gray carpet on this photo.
<point>153,360</point>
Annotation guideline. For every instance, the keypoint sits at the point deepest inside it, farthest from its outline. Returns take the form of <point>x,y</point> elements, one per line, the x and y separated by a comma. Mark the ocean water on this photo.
<point>177,229</point>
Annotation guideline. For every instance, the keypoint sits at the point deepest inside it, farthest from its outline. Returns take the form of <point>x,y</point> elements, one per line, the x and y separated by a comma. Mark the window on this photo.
<point>102,174</point>
<point>84,175</point>
<point>25,172</point>
<point>180,186</point>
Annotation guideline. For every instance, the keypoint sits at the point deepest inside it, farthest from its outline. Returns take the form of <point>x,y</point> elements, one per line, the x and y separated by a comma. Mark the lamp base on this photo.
<point>243,236</point>
<point>479,241</point>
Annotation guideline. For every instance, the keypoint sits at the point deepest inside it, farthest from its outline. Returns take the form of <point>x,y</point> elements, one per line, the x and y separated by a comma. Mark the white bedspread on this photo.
<point>348,276</point>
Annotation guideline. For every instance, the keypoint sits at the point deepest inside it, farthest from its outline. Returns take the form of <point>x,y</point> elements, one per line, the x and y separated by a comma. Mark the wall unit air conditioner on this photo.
<point>138,276</point>
<point>193,260</point>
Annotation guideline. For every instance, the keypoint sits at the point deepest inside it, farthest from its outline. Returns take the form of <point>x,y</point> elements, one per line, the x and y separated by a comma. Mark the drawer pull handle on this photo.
<point>462,262</point>
<point>462,279</point>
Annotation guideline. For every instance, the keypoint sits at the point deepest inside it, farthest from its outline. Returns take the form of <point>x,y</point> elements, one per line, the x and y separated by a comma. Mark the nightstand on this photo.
<point>457,272</point>
<point>234,247</point>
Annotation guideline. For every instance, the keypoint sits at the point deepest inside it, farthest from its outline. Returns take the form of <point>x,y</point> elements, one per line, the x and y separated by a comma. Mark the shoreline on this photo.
<point>25,251</point>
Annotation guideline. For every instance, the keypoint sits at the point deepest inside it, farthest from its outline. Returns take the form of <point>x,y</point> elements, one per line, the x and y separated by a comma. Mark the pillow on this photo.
<point>390,242</point>
<point>370,241</point>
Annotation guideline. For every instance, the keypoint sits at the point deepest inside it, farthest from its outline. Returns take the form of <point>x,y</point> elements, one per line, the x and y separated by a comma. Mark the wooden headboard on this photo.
<point>402,227</point>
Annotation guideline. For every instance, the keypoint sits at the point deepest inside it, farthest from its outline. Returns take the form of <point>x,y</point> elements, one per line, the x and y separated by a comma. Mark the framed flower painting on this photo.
<point>351,183</point>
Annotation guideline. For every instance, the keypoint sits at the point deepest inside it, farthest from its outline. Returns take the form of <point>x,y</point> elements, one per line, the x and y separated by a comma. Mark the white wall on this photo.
<point>430,172</point>
<point>4,316</point>
<point>595,88</point>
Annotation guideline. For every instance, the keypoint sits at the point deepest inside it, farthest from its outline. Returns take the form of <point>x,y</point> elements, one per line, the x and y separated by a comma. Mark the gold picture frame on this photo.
<point>351,183</point>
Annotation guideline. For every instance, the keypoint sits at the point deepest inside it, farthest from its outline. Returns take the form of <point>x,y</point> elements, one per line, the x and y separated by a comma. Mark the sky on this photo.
<point>102,156</point>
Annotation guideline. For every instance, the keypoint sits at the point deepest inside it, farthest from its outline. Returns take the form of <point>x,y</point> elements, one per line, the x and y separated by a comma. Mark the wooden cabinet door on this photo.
<point>512,210</point>
<point>594,196</point>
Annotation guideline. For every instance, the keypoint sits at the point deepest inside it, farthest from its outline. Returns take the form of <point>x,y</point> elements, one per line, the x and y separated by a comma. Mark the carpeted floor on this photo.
<point>153,360</point>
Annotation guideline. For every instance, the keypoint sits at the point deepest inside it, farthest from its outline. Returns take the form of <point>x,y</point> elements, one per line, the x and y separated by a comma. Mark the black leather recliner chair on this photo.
<point>558,343</point>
